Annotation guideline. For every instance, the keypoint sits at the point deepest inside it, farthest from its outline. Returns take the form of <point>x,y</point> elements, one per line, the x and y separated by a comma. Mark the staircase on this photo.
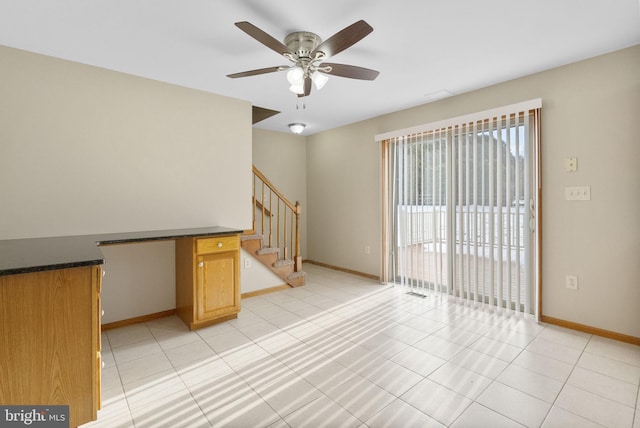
<point>275,238</point>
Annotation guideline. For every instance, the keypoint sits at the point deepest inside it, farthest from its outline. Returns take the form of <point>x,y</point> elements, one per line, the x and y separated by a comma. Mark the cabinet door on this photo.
<point>48,342</point>
<point>216,285</point>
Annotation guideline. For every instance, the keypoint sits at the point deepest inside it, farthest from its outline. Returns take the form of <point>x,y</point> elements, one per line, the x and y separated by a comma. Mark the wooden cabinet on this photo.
<point>207,279</point>
<point>50,309</point>
<point>50,340</point>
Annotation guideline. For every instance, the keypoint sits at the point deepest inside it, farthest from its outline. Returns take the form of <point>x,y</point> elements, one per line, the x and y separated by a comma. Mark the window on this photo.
<point>460,207</point>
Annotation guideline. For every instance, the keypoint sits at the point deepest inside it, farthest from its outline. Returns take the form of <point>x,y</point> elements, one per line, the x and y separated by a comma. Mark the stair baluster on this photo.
<point>286,218</point>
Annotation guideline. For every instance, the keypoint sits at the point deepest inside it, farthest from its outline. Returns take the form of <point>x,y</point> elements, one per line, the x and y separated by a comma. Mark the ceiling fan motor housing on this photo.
<point>302,43</point>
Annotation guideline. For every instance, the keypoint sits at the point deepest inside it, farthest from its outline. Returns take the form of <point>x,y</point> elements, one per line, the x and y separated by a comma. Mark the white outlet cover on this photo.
<point>578,193</point>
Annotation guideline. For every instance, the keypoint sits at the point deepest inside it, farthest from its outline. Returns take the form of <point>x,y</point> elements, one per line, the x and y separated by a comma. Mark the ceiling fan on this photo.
<point>307,52</point>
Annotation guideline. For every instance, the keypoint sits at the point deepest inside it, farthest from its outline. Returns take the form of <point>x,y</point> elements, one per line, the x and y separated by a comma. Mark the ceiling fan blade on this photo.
<point>307,87</point>
<point>254,72</point>
<point>263,37</point>
<point>350,71</point>
<point>344,39</point>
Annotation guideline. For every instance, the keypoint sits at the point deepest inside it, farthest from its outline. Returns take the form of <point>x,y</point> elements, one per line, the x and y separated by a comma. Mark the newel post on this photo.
<point>298,256</point>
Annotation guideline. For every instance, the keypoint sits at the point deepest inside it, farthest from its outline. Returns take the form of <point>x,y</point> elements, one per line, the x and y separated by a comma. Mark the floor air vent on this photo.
<point>413,293</point>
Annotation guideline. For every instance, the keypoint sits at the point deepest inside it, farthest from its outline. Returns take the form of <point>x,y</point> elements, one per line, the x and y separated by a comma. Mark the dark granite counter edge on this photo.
<point>161,235</point>
<point>18,256</point>
<point>33,269</point>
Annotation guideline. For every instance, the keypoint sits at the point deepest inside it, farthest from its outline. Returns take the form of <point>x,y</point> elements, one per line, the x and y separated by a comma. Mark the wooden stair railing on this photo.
<point>277,219</point>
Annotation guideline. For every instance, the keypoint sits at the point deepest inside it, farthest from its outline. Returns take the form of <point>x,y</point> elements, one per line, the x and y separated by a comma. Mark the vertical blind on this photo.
<point>460,207</point>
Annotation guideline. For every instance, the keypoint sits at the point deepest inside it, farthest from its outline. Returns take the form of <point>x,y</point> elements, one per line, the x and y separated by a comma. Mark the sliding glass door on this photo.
<point>460,210</point>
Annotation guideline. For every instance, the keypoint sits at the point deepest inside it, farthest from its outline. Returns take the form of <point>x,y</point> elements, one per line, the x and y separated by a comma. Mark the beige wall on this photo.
<point>85,150</point>
<point>343,190</point>
<point>591,111</point>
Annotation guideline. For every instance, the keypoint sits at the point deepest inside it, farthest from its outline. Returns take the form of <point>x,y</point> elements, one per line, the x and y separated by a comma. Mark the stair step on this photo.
<point>251,243</point>
<point>250,237</point>
<point>267,251</point>
<point>296,279</point>
<point>283,268</point>
<point>269,257</point>
<point>283,262</point>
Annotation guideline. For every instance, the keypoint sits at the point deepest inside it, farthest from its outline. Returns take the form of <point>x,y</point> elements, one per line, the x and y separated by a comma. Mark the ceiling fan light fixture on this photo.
<point>319,80</point>
<point>297,89</point>
<point>297,128</point>
<point>295,76</point>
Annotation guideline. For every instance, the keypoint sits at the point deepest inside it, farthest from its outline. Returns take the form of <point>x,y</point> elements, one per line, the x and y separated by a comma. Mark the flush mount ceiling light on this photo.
<point>297,128</point>
<point>307,52</point>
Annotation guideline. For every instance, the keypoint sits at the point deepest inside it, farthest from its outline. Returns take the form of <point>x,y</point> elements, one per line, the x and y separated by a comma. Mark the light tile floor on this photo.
<point>344,351</point>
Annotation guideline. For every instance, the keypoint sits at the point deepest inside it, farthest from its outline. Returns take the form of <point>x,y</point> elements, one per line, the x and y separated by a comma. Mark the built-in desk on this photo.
<point>50,308</point>
<point>40,254</point>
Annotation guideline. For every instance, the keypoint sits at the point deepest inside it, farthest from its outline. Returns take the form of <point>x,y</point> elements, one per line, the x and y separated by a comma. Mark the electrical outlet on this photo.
<point>578,193</point>
<point>584,193</point>
<point>247,263</point>
<point>571,281</point>
<point>367,249</point>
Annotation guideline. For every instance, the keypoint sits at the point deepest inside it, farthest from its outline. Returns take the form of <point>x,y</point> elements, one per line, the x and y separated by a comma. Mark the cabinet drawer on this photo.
<point>217,244</point>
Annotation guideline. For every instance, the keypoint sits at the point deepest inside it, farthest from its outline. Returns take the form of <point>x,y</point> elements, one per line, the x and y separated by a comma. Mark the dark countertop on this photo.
<point>39,254</point>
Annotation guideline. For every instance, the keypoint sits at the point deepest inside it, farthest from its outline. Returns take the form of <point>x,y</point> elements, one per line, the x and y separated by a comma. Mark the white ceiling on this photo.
<point>420,47</point>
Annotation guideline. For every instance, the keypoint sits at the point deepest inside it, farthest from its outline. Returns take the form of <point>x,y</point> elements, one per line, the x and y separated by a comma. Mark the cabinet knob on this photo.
<point>219,244</point>
<point>200,264</point>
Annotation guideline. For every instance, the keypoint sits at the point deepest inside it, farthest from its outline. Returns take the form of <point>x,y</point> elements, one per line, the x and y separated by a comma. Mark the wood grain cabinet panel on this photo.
<point>216,290</point>
<point>217,244</point>
<point>207,280</point>
<point>50,340</point>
